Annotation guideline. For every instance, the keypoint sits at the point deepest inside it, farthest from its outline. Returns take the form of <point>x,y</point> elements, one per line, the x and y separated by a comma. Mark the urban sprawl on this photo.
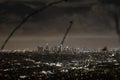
<point>60,63</point>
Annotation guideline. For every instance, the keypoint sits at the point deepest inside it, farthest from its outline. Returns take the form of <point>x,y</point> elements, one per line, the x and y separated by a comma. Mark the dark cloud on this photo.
<point>89,19</point>
<point>115,2</point>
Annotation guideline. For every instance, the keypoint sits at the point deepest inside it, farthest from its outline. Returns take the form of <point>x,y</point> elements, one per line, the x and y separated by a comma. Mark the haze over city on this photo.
<point>59,40</point>
<point>94,26</point>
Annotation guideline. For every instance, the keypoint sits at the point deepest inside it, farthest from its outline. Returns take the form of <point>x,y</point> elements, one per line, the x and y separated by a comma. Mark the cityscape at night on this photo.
<point>59,40</point>
<point>47,63</point>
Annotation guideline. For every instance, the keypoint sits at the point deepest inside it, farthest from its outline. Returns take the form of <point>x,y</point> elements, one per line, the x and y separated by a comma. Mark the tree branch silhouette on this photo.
<point>26,18</point>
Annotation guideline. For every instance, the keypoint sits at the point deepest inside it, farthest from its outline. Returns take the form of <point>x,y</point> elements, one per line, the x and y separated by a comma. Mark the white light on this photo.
<point>44,72</point>
<point>22,77</point>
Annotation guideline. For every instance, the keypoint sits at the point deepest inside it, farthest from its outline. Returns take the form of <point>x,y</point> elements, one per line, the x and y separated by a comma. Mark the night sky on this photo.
<point>94,25</point>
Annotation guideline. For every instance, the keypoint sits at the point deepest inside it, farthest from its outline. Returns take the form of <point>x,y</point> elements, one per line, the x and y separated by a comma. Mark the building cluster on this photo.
<point>49,50</point>
<point>59,49</point>
<point>32,65</point>
<point>83,66</point>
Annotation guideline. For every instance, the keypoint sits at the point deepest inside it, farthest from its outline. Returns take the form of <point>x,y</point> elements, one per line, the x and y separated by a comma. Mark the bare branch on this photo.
<point>26,18</point>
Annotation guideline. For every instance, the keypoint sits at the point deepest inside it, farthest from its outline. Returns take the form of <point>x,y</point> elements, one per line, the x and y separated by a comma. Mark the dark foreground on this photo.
<point>81,66</point>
